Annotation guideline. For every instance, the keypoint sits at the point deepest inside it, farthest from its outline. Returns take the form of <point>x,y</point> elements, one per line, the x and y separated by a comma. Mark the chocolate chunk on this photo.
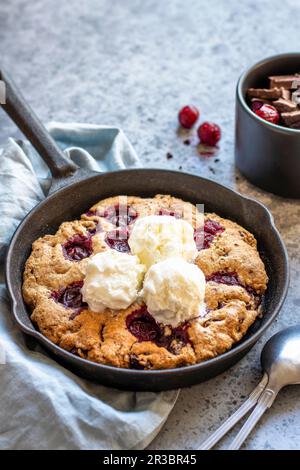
<point>296,96</point>
<point>286,94</point>
<point>296,125</point>
<point>285,81</point>
<point>291,118</point>
<point>260,101</point>
<point>264,93</point>
<point>284,106</point>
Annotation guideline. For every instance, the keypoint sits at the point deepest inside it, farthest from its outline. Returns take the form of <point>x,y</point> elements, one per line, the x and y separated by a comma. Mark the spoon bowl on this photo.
<point>280,358</point>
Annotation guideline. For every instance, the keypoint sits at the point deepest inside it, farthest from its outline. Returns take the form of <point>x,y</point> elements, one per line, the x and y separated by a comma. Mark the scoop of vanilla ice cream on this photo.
<point>112,280</point>
<point>174,291</point>
<point>158,237</point>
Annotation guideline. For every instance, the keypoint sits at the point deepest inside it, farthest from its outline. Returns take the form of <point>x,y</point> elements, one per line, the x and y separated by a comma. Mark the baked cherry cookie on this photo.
<point>184,293</point>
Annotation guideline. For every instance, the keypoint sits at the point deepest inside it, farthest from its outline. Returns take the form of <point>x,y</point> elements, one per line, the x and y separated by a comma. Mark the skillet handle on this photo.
<point>27,121</point>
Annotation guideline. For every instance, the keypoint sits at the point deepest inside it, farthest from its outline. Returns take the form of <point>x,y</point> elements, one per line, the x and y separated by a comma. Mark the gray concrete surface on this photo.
<point>134,63</point>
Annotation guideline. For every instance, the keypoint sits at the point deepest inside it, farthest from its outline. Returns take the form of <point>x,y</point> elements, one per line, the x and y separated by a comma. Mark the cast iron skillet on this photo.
<point>74,191</point>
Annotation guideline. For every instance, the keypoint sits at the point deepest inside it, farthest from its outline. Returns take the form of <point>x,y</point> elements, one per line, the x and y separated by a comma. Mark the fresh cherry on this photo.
<point>209,133</point>
<point>118,240</point>
<point>78,247</point>
<point>188,116</point>
<point>268,113</point>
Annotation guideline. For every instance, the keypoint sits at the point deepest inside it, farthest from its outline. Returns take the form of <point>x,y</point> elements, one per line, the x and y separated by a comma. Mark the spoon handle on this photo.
<point>237,416</point>
<point>265,401</point>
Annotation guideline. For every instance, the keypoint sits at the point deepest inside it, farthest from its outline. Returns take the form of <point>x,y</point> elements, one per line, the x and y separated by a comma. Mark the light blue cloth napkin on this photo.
<point>43,405</point>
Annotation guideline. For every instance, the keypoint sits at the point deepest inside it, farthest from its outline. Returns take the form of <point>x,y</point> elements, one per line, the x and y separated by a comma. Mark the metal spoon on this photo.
<point>280,360</point>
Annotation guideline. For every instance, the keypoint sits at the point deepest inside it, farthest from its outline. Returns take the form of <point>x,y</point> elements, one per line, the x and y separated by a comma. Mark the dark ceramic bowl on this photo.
<point>267,154</point>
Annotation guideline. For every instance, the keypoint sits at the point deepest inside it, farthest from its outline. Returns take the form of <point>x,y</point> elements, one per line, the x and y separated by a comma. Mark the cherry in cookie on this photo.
<point>70,296</point>
<point>229,278</point>
<point>78,247</point>
<point>119,215</point>
<point>144,327</point>
<point>211,229</point>
<point>118,240</point>
<point>171,213</point>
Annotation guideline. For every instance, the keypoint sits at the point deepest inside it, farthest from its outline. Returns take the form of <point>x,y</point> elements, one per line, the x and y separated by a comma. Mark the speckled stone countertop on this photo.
<point>133,63</point>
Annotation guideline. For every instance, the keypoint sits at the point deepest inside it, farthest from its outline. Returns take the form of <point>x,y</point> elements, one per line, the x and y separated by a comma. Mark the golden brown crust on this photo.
<point>105,338</point>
